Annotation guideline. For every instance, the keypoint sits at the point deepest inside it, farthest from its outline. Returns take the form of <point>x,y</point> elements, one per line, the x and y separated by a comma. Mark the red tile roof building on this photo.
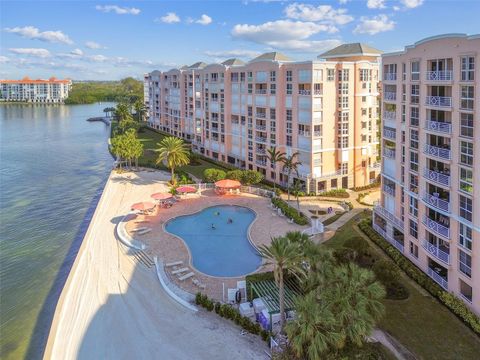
<point>51,90</point>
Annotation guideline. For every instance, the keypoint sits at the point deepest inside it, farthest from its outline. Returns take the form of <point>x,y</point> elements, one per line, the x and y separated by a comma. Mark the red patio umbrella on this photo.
<point>228,184</point>
<point>161,196</point>
<point>143,206</point>
<point>186,189</point>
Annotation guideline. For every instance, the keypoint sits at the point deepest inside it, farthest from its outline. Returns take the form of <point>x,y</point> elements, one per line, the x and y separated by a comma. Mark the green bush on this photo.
<point>389,276</point>
<point>456,305</point>
<point>234,175</point>
<point>251,177</point>
<point>213,175</point>
<point>290,212</point>
<point>338,193</point>
<point>367,187</point>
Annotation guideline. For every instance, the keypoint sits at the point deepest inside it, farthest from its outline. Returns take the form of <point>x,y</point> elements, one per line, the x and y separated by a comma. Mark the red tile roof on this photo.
<point>27,80</point>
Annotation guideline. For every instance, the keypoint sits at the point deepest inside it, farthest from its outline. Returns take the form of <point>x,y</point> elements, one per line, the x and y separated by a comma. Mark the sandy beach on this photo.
<point>113,306</point>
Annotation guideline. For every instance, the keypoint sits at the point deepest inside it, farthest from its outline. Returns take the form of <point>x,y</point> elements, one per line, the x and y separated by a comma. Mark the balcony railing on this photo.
<point>304,92</point>
<point>389,96</point>
<point>389,190</point>
<point>388,215</point>
<point>442,127</point>
<point>444,75</point>
<point>438,152</point>
<point>390,76</point>
<point>387,237</point>
<point>317,133</point>
<point>261,163</point>
<point>376,165</point>
<point>436,202</point>
<point>436,227</point>
<point>261,115</point>
<point>317,92</point>
<point>467,270</point>
<point>436,177</point>
<point>389,115</point>
<point>261,127</point>
<point>260,139</point>
<point>261,151</point>
<point>389,134</point>
<point>437,252</point>
<point>260,91</point>
<point>303,133</point>
<point>389,153</point>
<point>437,278</point>
<point>439,101</point>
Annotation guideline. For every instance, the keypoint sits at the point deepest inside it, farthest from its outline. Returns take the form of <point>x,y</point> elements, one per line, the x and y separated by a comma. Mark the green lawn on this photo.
<point>197,170</point>
<point>333,218</point>
<point>420,323</point>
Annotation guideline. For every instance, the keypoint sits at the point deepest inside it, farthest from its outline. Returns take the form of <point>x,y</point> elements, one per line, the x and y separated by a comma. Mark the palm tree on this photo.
<point>122,112</point>
<point>139,108</point>
<point>275,156</point>
<point>296,190</point>
<point>174,151</point>
<point>290,165</point>
<point>286,258</point>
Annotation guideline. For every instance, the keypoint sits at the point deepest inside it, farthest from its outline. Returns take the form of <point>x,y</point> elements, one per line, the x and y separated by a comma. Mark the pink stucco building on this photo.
<point>325,109</point>
<point>430,204</point>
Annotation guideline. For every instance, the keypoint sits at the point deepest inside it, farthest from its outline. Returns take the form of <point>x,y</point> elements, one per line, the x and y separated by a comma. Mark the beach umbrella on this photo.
<point>142,206</point>
<point>228,184</point>
<point>186,189</point>
<point>161,196</point>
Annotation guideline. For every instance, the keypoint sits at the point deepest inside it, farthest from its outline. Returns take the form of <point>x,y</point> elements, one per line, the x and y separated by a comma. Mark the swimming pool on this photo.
<point>219,247</point>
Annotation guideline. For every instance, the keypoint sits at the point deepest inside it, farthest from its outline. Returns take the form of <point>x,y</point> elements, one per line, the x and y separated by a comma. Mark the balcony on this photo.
<point>317,133</point>
<point>437,252</point>
<point>389,115</point>
<point>436,202</point>
<point>439,101</point>
<point>260,91</point>
<point>445,75</point>
<point>261,115</point>
<point>437,177</point>
<point>441,153</point>
<point>389,190</point>
<point>438,278</point>
<point>389,153</point>
<point>390,77</point>
<point>436,227</point>
<point>260,139</point>
<point>261,162</point>
<point>441,127</point>
<point>261,127</point>
<point>379,209</point>
<point>376,165</point>
<point>304,92</point>
<point>389,133</point>
<point>261,151</point>
<point>389,96</point>
<point>317,92</point>
<point>387,237</point>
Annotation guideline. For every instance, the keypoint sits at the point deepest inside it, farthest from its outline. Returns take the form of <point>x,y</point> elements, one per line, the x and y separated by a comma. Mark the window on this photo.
<point>467,97</point>
<point>465,263</point>
<point>343,128</point>
<point>466,207</point>
<point>414,94</point>
<point>343,101</point>
<point>273,89</point>
<point>414,116</point>
<point>272,76</point>
<point>466,180</point>
<point>404,71</point>
<point>344,168</point>
<point>414,250</point>
<point>413,183</point>
<point>289,140</point>
<point>465,237</point>
<point>468,68</point>
<point>404,113</point>
<point>466,125</point>
<point>413,206</point>
<point>330,74</point>
<point>466,291</point>
<point>365,75</point>
<point>413,161</point>
<point>272,113</point>
<point>364,99</point>
<point>289,89</point>
<point>466,153</point>
<point>413,228</point>
<point>414,139</point>
<point>289,115</point>
<point>343,75</point>
<point>250,76</point>
<point>415,74</point>
<point>289,75</point>
<point>250,88</point>
<point>343,142</point>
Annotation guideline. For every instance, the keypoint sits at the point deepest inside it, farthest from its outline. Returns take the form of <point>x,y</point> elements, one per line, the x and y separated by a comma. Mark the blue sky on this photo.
<point>115,39</point>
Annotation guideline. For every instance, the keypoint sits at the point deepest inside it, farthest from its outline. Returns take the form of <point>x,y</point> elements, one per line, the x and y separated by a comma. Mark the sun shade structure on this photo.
<point>142,206</point>
<point>228,184</point>
<point>186,189</point>
<point>161,196</point>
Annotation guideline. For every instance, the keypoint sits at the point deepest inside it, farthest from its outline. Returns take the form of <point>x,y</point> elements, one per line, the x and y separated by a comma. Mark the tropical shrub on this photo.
<point>338,193</point>
<point>290,212</point>
<point>234,175</point>
<point>251,177</point>
<point>213,175</point>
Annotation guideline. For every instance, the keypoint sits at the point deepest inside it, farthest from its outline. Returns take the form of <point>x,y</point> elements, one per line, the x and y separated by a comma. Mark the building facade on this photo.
<point>36,91</point>
<point>326,110</point>
<point>430,203</point>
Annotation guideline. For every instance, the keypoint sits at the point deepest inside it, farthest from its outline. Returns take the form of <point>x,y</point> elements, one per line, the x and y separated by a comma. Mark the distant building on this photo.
<point>325,109</point>
<point>35,91</point>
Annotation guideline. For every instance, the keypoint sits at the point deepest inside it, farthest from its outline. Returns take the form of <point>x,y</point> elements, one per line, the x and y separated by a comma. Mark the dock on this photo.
<point>103,119</point>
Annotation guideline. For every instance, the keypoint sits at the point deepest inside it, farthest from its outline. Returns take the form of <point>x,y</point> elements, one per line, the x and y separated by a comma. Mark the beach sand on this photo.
<point>113,307</point>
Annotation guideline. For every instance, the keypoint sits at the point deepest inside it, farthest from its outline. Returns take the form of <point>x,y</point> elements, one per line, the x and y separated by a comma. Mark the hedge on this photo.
<point>229,312</point>
<point>338,193</point>
<point>290,212</point>
<point>369,186</point>
<point>453,303</point>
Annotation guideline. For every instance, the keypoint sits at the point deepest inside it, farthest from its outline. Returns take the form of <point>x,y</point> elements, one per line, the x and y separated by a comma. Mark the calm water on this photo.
<point>218,247</point>
<point>53,165</point>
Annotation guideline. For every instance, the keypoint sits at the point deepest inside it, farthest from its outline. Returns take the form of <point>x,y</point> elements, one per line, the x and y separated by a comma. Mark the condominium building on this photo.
<point>37,91</point>
<point>430,203</point>
<point>326,110</point>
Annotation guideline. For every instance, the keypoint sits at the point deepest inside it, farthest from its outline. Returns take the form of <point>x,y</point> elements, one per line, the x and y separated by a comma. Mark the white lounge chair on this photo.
<point>198,283</point>
<point>180,270</point>
<point>174,263</point>
<point>144,231</point>
<point>140,229</point>
<point>186,276</point>
<point>290,221</point>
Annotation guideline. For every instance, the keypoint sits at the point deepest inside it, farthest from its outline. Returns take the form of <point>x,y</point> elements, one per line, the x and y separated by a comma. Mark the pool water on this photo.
<point>218,247</point>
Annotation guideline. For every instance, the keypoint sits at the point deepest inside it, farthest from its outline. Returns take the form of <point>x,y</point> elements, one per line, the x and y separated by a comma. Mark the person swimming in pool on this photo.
<point>213,226</point>
<point>217,213</point>
<point>229,221</point>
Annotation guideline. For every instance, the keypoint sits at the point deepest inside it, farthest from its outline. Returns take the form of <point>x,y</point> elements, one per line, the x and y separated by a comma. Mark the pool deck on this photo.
<point>170,248</point>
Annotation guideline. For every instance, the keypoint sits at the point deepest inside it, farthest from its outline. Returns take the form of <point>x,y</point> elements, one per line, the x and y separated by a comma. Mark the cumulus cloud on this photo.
<point>4,59</point>
<point>94,45</point>
<point>77,52</point>
<point>118,9</point>
<point>31,32</point>
<point>306,46</point>
<point>374,25</point>
<point>411,3</point>
<point>204,20</point>
<point>376,4</point>
<point>170,18</point>
<point>325,13</point>
<point>37,52</point>
<point>232,53</point>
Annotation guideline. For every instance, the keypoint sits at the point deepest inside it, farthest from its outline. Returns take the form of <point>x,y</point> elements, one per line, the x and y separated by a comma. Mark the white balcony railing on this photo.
<point>261,151</point>
<point>261,163</point>
<point>389,115</point>
<point>376,165</point>
<point>389,133</point>
<point>304,92</point>
<point>444,75</point>
<point>442,127</point>
<point>317,92</point>
<point>261,127</point>
<point>436,202</point>
<point>387,237</point>
<point>260,91</point>
<point>436,227</point>
<point>260,139</point>
<point>379,209</point>
<point>317,133</point>
<point>389,96</point>
<point>437,278</point>
<point>261,115</point>
<point>439,101</point>
<point>437,152</point>
<point>389,153</point>
<point>437,252</point>
<point>436,177</point>
<point>389,190</point>
<point>390,76</point>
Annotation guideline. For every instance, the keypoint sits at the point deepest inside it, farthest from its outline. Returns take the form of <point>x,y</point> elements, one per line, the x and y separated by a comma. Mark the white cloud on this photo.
<point>31,32</point>
<point>37,52</point>
<point>374,25</point>
<point>326,13</point>
<point>96,58</point>
<point>233,53</point>
<point>412,3</point>
<point>204,20</point>
<point>396,8</point>
<point>4,59</point>
<point>376,4</point>
<point>278,31</point>
<point>343,1</point>
<point>94,45</point>
<point>170,18</point>
<point>118,9</point>
<point>306,46</point>
<point>77,52</point>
